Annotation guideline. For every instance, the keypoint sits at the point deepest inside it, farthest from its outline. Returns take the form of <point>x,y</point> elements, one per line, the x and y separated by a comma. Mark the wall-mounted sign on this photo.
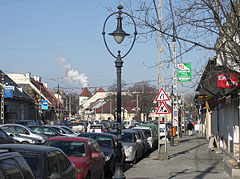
<point>230,80</point>
<point>44,104</point>
<point>8,91</point>
<point>184,72</point>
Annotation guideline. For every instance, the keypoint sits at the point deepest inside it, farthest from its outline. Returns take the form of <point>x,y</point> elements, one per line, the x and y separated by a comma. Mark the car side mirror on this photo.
<point>55,175</point>
<point>11,135</point>
<point>95,155</point>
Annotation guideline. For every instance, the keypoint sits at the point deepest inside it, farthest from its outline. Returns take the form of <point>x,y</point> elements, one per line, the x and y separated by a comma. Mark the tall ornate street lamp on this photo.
<point>119,36</point>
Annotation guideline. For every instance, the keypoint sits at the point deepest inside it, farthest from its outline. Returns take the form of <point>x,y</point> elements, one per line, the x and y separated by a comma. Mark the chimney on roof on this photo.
<point>28,75</point>
<point>37,78</point>
<point>45,84</point>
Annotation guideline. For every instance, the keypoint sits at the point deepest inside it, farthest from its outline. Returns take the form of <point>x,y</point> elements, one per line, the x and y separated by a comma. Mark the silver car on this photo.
<point>132,145</point>
<point>20,139</point>
<point>25,131</point>
<point>65,131</point>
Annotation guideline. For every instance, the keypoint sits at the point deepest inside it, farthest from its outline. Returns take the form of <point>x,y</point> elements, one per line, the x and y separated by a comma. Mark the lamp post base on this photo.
<point>171,141</point>
<point>118,174</point>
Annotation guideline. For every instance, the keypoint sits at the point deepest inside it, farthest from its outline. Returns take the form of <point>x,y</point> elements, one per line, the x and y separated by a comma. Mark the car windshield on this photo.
<point>8,130</point>
<point>127,137</point>
<point>34,161</point>
<point>103,141</point>
<point>69,131</point>
<point>147,132</point>
<point>70,148</point>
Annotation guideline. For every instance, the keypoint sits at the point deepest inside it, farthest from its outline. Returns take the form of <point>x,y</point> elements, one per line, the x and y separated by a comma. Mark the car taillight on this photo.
<point>101,130</point>
<point>79,170</point>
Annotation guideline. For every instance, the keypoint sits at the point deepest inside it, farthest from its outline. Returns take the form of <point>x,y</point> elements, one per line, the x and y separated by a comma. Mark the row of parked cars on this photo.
<point>64,153</point>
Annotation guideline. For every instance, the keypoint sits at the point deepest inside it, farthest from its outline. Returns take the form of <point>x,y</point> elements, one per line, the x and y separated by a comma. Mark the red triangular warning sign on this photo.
<point>162,109</point>
<point>162,96</point>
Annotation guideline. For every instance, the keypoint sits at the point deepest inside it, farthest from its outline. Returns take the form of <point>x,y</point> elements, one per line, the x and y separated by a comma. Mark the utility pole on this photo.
<point>182,109</point>
<point>58,105</point>
<point>175,82</point>
<point>2,99</point>
<point>70,105</point>
<point>161,155</point>
<point>40,104</point>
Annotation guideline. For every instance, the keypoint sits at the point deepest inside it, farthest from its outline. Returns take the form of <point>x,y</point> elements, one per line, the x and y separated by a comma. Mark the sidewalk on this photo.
<point>189,159</point>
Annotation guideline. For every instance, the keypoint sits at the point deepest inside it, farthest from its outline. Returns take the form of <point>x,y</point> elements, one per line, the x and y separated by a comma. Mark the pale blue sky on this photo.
<point>31,32</point>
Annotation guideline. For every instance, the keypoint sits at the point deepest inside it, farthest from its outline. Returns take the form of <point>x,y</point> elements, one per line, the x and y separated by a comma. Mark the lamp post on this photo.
<point>119,36</point>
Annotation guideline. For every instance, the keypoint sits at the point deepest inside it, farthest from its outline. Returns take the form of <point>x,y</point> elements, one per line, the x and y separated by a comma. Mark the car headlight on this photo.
<point>33,141</point>
<point>129,149</point>
<point>107,158</point>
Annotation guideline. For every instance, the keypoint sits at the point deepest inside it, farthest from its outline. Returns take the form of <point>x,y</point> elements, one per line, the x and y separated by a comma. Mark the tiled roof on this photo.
<point>45,92</point>
<point>100,90</point>
<point>86,93</point>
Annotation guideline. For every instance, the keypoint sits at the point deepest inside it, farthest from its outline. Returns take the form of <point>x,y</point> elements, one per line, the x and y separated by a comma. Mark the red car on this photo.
<point>84,153</point>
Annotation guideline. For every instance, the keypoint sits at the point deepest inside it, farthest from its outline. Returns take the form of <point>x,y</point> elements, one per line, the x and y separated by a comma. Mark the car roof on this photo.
<point>125,130</point>
<point>81,139</point>
<point>4,125</point>
<point>97,134</point>
<point>28,147</point>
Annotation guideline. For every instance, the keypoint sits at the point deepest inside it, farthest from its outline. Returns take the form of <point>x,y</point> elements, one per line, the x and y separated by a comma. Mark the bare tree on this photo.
<point>146,95</point>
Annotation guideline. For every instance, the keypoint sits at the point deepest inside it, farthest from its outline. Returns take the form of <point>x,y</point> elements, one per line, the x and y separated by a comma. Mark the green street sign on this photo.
<point>184,72</point>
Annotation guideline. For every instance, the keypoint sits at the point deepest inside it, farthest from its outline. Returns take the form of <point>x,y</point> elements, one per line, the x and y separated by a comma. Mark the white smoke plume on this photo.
<point>70,74</point>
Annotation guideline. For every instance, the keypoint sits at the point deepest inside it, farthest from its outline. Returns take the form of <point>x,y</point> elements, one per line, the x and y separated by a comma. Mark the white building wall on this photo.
<point>228,120</point>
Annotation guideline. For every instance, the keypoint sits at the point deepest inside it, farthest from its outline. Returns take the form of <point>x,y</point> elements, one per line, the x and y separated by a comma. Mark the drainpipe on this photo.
<point>239,126</point>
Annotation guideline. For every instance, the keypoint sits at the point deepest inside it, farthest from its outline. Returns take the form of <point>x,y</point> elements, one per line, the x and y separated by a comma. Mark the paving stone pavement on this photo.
<point>189,159</point>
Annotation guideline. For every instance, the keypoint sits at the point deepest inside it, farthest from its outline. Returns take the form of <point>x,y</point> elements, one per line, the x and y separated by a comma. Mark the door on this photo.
<point>97,163</point>
<point>67,169</point>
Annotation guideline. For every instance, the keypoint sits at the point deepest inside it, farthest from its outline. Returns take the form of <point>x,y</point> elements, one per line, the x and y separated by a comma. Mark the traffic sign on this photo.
<point>162,96</point>
<point>44,104</point>
<point>162,109</point>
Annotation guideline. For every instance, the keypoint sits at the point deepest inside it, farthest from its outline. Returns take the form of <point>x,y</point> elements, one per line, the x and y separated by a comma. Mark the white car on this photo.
<point>25,131</point>
<point>98,128</point>
<point>149,134</point>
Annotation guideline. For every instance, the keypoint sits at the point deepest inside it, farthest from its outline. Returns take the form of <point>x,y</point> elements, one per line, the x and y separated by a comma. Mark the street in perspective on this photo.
<point>119,89</point>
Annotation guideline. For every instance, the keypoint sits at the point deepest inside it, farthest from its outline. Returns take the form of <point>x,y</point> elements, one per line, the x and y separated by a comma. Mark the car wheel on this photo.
<point>24,142</point>
<point>88,176</point>
<point>102,175</point>
<point>135,159</point>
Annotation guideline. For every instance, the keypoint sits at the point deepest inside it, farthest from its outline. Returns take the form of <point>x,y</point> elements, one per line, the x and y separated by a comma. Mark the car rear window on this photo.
<point>127,137</point>
<point>70,148</point>
<point>34,161</point>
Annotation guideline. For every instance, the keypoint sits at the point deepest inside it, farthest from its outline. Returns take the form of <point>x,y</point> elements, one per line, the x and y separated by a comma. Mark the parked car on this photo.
<point>144,141</point>
<point>106,124</point>
<point>80,126</point>
<point>45,162</point>
<point>70,131</point>
<point>5,139</point>
<point>97,128</point>
<point>19,138</point>
<point>85,153</point>
<point>27,122</point>
<point>64,130</point>
<point>108,144</point>
<point>13,165</point>
<point>151,137</point>
<point>132,145</point>
<point>25,131</point>
<point>45,130</point>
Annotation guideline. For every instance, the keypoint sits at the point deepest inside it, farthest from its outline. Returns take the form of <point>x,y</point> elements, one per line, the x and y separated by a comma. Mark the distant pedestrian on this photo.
<point>190,128</point>
<point>88,126</point>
